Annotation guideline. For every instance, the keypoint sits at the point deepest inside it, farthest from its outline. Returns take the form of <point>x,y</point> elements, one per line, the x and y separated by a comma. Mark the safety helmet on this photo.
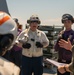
<point>8,32</point>
<point>34,18</point>
<point>67,17</point>
<point>16,20</point>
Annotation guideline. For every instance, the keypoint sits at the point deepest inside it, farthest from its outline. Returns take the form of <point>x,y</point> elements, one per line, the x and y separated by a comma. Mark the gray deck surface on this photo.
<point>48,71</point>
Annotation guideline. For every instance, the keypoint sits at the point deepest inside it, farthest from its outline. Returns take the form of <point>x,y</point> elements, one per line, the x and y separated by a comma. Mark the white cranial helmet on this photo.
<point>8,31</point>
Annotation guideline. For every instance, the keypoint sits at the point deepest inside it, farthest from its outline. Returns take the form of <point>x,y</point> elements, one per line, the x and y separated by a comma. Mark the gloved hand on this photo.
<point>39,45</point>
<point>26,45</point>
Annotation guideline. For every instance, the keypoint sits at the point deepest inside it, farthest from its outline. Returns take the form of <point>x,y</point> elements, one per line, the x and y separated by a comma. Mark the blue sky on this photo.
<point>49,11</point>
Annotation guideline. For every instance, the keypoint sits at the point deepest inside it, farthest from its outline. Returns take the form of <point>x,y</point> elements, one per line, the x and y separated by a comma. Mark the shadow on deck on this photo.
<point>48,71</point>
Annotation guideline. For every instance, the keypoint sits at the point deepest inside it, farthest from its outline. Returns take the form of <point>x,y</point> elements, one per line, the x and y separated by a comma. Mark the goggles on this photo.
<point>5,42</point>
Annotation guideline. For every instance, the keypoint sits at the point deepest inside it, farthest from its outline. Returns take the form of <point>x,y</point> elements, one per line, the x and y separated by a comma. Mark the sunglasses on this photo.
<point>34,21</point>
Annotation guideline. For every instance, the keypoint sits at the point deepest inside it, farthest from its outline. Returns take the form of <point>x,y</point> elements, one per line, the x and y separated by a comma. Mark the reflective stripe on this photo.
<point>4,19</point>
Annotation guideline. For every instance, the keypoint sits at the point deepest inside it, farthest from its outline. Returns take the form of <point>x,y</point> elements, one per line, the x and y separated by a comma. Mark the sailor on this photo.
<point>33,41</point>
<point>8,34</point>
<point>65,56</point>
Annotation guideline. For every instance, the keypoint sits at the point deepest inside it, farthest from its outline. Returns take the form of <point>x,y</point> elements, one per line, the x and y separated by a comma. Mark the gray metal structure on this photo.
<point>3,6</point>
<point>51,32</point>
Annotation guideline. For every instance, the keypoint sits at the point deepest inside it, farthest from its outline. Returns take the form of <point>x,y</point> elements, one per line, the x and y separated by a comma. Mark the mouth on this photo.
<point>34,26</point>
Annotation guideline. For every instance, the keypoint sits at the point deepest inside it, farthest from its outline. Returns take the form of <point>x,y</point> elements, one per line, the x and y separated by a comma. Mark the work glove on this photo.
<point>39,45</point>
<point>26,45</point>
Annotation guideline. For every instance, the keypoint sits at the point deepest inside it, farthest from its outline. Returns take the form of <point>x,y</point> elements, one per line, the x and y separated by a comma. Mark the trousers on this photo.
<point>32,65</point>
